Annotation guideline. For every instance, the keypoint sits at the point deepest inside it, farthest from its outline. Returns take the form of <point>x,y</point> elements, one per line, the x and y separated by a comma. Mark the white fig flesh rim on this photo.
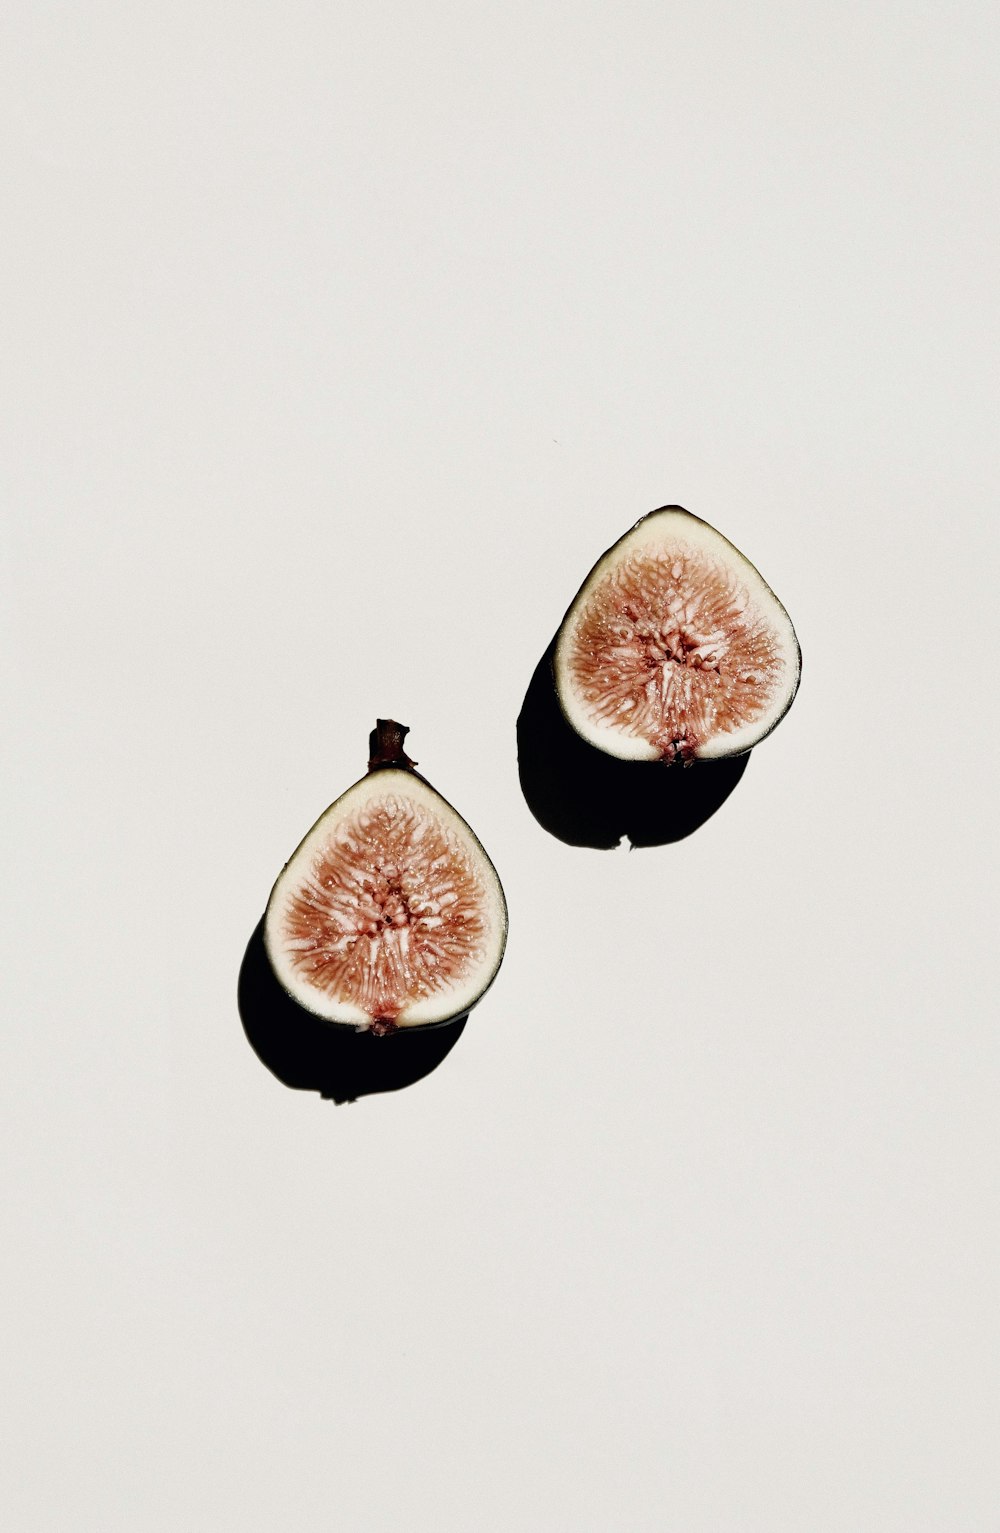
<point>675,646</point>
<point>389,913</point>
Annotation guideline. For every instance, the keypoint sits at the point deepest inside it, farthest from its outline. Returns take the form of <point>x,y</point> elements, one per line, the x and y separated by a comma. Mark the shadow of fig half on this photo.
<point>585,797</point>
<point>307,1054</point>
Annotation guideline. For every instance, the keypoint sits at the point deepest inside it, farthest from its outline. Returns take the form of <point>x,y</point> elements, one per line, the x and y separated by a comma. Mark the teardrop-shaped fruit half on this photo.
<point>389,914</point>
<point>674,647</point>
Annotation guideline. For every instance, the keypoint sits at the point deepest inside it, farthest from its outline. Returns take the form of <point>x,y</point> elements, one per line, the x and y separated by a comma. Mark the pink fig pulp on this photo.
<point>389,914</point>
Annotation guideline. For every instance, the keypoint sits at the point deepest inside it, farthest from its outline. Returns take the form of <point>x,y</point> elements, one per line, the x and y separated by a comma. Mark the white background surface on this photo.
<point>338,342</point>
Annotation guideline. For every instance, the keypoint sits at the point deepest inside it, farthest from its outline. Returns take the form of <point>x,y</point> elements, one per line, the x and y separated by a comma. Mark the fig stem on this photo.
<point>385,745</point>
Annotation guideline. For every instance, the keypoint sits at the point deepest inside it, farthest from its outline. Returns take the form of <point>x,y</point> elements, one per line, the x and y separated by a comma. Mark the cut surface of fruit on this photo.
<point>389,914</point>
<point>675,648</point>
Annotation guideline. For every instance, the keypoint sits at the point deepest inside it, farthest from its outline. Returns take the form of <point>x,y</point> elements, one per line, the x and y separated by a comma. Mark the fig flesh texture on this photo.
<point>389,914</point>
<point>675,648</point>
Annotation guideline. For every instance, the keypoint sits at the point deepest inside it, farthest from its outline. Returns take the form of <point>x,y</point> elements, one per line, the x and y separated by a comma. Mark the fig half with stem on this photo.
<point>675,648</point>
<point>389,914</point>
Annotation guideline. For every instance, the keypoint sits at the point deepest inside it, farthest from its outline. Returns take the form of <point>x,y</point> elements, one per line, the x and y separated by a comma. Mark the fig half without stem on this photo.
<point>389,914</point>
<point>675,648</point>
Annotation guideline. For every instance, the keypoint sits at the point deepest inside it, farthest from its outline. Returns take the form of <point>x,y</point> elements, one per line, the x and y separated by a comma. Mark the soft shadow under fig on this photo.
<point>588,798</point>
<point>310,1055</point>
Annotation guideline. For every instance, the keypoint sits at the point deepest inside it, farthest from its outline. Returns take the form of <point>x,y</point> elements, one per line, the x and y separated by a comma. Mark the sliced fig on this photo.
<point>389,914</point>
<point>675,648</point>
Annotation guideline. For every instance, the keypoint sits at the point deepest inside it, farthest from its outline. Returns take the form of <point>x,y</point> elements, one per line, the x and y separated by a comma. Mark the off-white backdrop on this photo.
<point>338,341</point>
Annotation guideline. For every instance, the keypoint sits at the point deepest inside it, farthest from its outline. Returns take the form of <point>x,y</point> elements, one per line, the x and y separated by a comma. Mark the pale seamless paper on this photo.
<point>338,343</point>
